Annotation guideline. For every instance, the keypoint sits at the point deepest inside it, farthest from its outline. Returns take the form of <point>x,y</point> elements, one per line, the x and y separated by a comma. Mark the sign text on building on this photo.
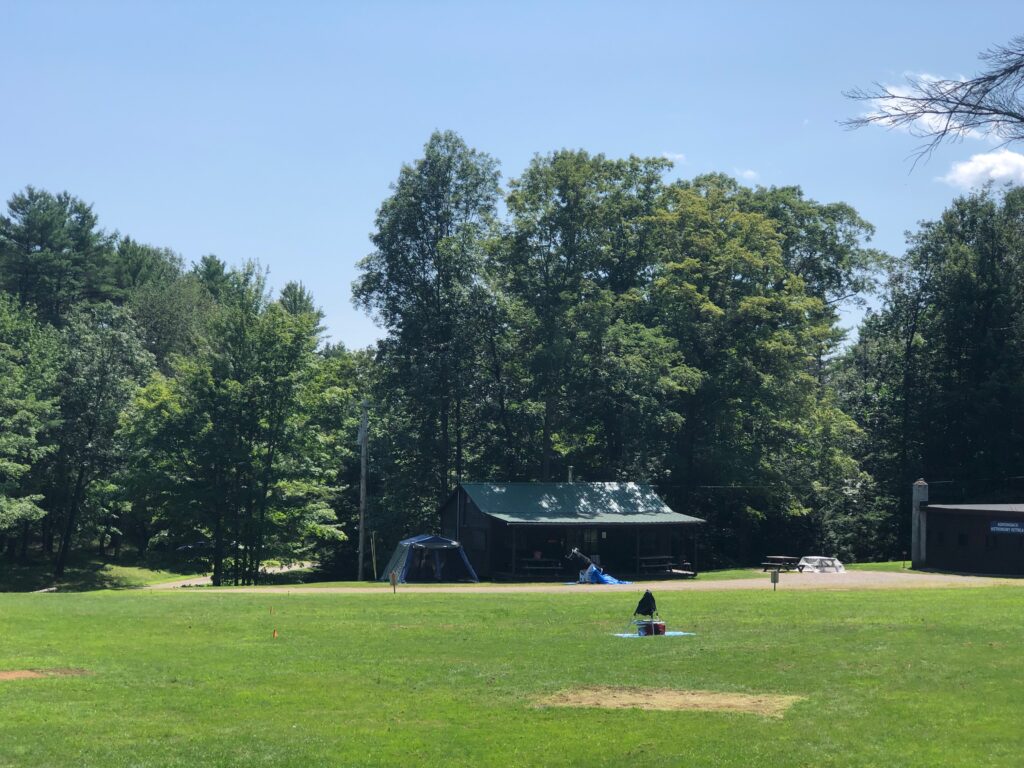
<point>1015,526</point>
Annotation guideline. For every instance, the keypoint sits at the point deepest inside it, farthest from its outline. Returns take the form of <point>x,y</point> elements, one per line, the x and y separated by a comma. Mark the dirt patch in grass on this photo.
<point>765,704</point>
<point>35,674</point>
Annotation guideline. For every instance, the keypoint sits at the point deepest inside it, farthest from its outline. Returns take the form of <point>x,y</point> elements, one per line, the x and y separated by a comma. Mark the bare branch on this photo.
<point>939,110</point>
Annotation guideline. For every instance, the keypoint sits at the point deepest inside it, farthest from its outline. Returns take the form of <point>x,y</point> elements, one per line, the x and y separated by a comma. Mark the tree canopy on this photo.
<point>593,313</point>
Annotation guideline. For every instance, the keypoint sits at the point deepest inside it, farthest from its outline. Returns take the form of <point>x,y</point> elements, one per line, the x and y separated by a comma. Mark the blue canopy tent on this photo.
<point>428,558</point>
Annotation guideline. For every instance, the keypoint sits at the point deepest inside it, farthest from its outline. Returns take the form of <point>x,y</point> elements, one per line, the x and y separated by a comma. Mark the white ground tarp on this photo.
<point>817,564</point>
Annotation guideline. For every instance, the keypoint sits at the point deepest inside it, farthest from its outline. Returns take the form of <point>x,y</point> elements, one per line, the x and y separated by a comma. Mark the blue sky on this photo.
<point>271,131</point>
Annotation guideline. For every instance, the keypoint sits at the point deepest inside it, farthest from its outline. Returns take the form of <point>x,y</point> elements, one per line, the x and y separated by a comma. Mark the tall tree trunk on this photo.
<point>689,451</point>
<point>25,534</point>
<point>458,439</point>
<point>218,549</point>
<point>446,450</point>
<point>612,439</point>
<point>261,511</point>
<point>546,448</point>
<point>502,406</point>
<point>47,535</point>
<point>908,364</point>
<point>103,539</point>
<point>69,525</point>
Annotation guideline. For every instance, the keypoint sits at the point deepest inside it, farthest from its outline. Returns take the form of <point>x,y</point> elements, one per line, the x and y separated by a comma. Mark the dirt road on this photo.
<point>858,580</point>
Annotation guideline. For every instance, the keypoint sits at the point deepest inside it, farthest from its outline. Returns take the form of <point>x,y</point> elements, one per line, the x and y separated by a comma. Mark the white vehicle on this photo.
<point>816,564</point>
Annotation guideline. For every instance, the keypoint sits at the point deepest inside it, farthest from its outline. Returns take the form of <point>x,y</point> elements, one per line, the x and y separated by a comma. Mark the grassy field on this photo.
<point>908,678</point>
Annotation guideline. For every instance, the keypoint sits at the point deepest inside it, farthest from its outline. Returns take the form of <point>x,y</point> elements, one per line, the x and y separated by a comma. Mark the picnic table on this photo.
<point>781,563</point>
<point>656,563</point>
<point>540,566</point>
<point>664,564</point>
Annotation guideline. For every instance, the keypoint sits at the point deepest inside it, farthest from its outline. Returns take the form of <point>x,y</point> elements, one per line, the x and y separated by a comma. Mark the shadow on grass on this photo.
<point>287,578</point>
<point>83,576</point>
<point>310,575</point>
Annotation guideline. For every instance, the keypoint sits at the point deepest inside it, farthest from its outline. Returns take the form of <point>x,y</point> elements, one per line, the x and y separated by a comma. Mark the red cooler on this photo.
<point>649,628</point>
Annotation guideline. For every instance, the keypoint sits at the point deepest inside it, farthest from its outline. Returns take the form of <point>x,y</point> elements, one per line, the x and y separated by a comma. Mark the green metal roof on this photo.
<point>574,504</point>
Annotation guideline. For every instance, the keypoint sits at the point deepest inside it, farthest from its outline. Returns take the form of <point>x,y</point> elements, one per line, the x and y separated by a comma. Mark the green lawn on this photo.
<point>908,678</point>
<point>892,566</point>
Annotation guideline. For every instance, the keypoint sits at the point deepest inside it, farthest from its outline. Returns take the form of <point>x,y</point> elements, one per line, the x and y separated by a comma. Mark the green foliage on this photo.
<point>27,362</point>
<point>103,363</point>
<point>424,283</point>
<point>53,255</point>
<point>220,445</point>
<point>936,376</point>
<point>630,328</point>
<point>749,451</point>
<point>594,315</point>
<point>824,244</point>
<point>172,315</point>
<point>575,270</point>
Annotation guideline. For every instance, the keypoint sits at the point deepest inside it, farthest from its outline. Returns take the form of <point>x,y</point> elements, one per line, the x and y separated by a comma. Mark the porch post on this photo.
<point>638,551</point>
<point>514,558</point>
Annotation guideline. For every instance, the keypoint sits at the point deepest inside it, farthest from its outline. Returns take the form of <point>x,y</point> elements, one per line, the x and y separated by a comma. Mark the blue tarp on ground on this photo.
<point>594,575</point>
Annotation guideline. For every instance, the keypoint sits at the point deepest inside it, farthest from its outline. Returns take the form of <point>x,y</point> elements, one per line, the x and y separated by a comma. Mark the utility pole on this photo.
<point>364,440</point>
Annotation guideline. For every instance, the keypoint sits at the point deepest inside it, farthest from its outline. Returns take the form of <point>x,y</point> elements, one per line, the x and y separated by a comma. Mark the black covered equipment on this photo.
<point>646,606</point>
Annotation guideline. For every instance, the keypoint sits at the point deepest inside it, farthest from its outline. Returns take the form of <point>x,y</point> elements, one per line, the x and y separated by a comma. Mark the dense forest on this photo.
<point>589,314</point>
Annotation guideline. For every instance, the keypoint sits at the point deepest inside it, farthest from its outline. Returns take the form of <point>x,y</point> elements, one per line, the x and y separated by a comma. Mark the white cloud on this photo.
<point>748,174</point>
<point>675,157</point>
<point>1000,166</point>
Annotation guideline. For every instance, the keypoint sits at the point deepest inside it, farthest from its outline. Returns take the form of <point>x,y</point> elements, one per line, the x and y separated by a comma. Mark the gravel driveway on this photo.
<point>803,581</point>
